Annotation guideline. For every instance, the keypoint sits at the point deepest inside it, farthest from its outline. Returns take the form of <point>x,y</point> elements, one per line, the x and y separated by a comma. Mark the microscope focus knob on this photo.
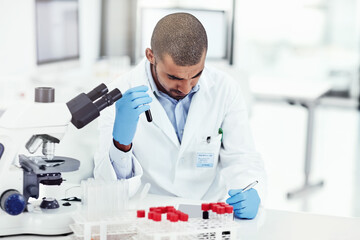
<point>33,191</point>
<point>12,202</point>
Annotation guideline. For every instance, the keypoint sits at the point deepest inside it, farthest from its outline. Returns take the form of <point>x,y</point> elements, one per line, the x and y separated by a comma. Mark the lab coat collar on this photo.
<point>194,118</point>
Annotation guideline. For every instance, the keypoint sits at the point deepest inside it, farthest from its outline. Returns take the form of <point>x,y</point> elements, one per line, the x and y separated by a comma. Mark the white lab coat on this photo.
<point>169,166</point>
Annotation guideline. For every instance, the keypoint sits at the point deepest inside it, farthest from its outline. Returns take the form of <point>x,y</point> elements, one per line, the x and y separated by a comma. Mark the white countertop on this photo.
<point>269,224</point>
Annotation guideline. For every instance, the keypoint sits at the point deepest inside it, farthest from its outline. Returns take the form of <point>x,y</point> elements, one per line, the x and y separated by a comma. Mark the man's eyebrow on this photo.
<point>198,74</point>
<point>177,78</point>
<point>174,77</point>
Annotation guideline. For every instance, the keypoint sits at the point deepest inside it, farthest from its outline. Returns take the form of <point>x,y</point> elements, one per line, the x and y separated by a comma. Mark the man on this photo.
<point>199,144</point>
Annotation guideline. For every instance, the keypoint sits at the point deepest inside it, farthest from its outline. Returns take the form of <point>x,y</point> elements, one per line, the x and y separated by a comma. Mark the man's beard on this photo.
<point>178,95</point>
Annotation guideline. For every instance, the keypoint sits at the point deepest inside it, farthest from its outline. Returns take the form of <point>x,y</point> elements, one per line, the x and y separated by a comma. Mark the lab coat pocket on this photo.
<point>207,152</point>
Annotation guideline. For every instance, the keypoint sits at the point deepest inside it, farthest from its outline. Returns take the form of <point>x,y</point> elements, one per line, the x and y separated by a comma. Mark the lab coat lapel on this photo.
<point>199,102</point>
<point>161,120</point>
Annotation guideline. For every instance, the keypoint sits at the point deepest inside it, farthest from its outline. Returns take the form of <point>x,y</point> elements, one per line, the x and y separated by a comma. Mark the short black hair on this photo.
<point>182,37</point>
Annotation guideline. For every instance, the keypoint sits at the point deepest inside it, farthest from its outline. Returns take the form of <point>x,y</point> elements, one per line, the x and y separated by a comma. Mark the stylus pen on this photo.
<point>250,186</point>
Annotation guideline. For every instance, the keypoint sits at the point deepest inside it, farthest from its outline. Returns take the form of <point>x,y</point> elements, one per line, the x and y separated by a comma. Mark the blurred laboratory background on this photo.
<point>296,60</point>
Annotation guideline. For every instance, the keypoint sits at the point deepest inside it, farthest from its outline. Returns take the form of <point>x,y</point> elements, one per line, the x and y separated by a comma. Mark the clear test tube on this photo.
<point>105,199</point>
<point>84,199</point>
<point>174,218</point>
<point>120,189</point>
<point>140,218</point>
<point>150,219</point>
<point>215,212</point>
<point>212,212</point>
<point>99,208</point>
<point>126,193</point>
<point>229,213</point>
<point>102,201</point>
<point>115,195</point>
<point>221,213</point>
<point>91,199</point>
<point>184,218</point>
<point>168,224</point>
<point>205,207</point>
<point>157,222</point>
<point>87,186</point>
<point>111,189</point>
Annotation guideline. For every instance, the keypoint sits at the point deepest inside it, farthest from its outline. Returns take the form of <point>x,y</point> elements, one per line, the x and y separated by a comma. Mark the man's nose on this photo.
<point>185,86</point>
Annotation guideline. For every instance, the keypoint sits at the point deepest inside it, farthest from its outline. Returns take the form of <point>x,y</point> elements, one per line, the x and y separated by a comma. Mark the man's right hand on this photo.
<point>128,108</point>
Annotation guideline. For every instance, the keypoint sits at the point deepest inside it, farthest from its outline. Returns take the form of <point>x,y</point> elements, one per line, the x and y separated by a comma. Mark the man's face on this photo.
<point>176,81</point>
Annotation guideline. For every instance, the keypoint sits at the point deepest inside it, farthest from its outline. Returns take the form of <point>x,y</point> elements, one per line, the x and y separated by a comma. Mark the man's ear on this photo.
<point>150,55</point>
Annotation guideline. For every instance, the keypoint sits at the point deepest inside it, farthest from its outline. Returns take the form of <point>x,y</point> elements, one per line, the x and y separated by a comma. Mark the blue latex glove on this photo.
<point>128,108</point>
<point>246,204</point>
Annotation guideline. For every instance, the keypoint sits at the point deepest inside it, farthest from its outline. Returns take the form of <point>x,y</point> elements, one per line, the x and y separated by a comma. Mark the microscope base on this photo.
<point>39,221</point>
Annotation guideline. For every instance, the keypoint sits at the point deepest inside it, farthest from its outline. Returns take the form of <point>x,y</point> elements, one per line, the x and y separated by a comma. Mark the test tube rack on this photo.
<point>133,225</point>
<point>122,227</point>
<point>195,228</point>
<point>102,199</point>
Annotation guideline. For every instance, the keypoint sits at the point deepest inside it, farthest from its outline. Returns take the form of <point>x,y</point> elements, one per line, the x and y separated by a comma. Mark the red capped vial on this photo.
<point>140,213</point>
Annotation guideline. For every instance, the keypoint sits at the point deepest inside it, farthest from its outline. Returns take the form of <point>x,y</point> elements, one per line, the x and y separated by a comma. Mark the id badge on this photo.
<point>205,159</point>
<point>208,151</point>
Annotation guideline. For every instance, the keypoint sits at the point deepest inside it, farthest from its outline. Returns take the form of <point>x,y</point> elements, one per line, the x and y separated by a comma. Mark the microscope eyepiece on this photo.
<point>108,99</point>
<point>84,109</point>
<point>97,92</point>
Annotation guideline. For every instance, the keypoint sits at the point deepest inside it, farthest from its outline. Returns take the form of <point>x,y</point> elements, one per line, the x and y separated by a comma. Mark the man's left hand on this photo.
<point>246,204</point>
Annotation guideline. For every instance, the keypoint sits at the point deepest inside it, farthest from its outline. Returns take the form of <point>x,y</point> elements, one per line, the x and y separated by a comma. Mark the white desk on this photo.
<point>280,225</point>
<point>269,224</point>
<point>305,94</point>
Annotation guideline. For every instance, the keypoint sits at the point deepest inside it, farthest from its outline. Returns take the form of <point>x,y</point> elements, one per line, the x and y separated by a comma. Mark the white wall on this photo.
<point>17,35</point>
<point>118,27</point>
<point>90,22</point>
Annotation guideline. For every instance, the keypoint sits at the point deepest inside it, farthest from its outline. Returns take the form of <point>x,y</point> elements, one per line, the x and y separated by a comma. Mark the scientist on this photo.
<point>199,144</point>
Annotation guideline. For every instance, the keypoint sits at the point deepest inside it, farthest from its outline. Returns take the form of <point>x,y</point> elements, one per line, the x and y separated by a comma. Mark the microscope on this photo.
<point>31,126</point>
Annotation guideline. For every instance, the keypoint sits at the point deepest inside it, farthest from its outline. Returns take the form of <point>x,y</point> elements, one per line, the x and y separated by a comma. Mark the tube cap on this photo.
<point>221,210</point>
<point>229,209</point>
<point>215,208</point>
<point>140,213</point>
<point>151,215</point>
<point>174,218</point>
<point>157,217</point>
<point>205,207</point>
<point>184,217</point>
